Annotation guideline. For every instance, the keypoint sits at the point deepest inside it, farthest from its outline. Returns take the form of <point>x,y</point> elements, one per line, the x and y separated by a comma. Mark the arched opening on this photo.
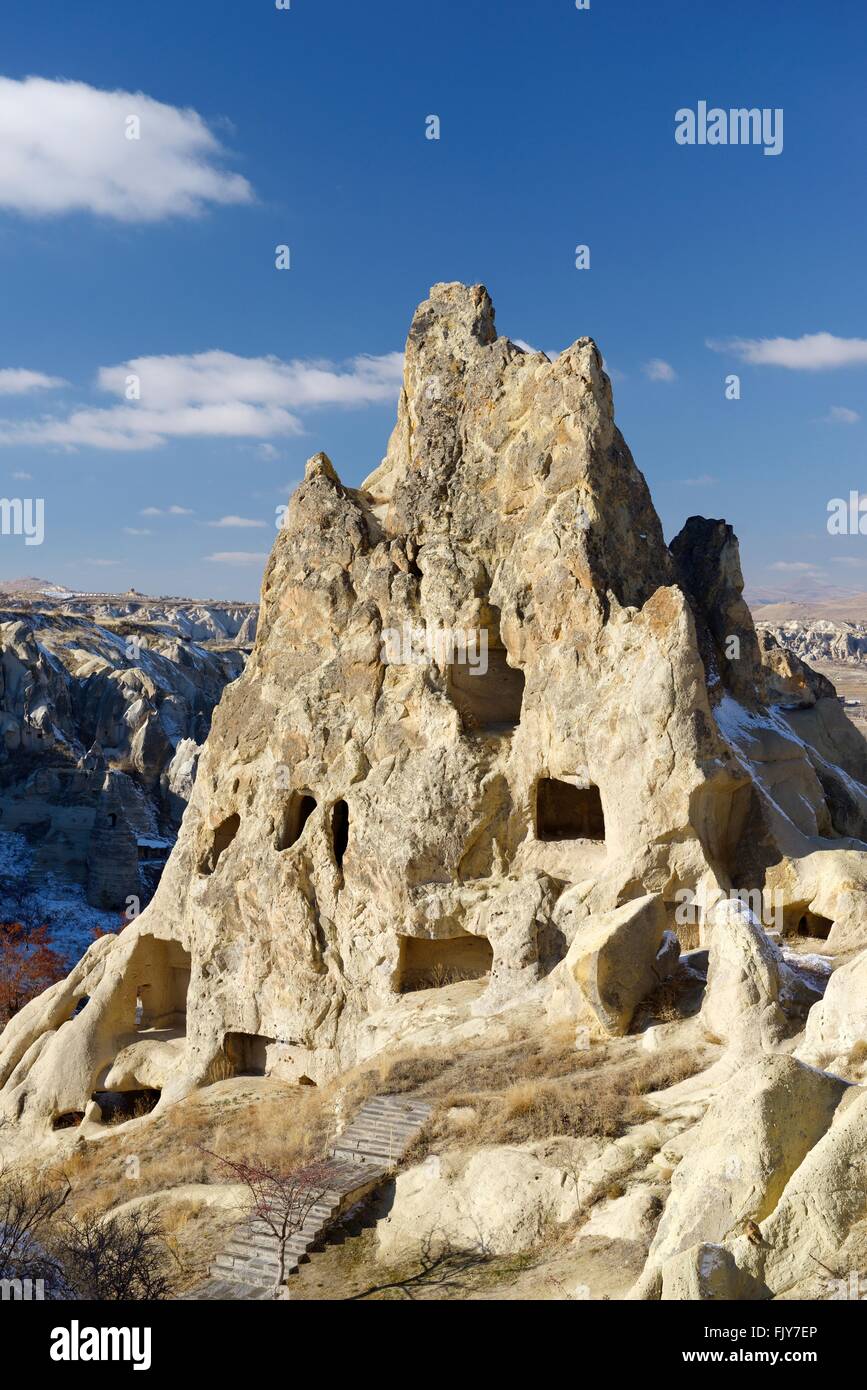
<point>161,978</point>
<point>116,1107</point>
<point>811,924</point>
<point>567,812</point>
<point>223,837</point>
<point>295,816</point>
<point>71,1119</point>
<point>340,830</point>
<point>798,920</point>
<point>488,693</point>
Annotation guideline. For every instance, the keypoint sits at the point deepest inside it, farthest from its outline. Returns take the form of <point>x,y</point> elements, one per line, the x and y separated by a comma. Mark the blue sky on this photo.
<point>306,127</point>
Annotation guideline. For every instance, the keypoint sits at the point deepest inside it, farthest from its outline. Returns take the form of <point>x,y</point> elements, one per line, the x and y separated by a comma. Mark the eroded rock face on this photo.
<point>374,813</point>
<point>611,966</point>
<point>764,1122</point>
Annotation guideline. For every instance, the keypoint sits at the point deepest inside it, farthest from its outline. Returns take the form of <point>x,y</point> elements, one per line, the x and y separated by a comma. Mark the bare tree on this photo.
<point>28,1206</point>
<point>114,1259</point>
<point>281,1201</point>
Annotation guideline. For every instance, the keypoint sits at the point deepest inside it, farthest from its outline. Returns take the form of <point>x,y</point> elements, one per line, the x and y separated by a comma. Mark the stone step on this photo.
<point>366,1152</point>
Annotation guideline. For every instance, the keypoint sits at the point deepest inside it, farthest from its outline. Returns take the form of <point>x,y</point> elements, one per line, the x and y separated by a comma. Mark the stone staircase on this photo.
<point>357,1162</point>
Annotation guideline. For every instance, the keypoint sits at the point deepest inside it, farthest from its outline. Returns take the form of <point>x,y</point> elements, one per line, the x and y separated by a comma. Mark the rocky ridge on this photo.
<point>382,851</point>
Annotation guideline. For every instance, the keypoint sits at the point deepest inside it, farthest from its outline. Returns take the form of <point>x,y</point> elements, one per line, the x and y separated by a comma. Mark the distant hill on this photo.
<point>32,585</point>
<point>836,610</point>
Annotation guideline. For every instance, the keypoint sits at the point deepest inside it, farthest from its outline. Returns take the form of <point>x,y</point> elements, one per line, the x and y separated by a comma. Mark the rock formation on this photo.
<point>492,729</point>
<point>87,688</point>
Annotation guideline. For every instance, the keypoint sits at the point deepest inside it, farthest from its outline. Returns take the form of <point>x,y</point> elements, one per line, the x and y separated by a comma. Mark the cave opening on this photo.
<point>222,838</point>
<point>162,972</point>
<point>247,1053</point>
<point>340,830</point>
<point>567,812</point>
<point>430,964</point>
<point>490,699</point>
<point>295,817</point>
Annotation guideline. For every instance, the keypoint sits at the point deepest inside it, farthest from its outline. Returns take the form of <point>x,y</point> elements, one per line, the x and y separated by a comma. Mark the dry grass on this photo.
<point>517,1093</point>
<point>532,1088</point>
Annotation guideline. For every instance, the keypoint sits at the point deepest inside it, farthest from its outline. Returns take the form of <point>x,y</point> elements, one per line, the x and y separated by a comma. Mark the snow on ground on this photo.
<point>809,960</point>
<point>51,901</point>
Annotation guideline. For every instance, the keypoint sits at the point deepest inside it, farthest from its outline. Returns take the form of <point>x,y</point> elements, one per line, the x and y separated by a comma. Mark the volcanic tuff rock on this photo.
<point>361,826</point>
<point>89,687</point>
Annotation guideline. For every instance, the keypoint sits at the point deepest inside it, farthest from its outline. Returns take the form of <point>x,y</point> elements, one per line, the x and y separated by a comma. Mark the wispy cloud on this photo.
<point>211,395</point>
<point>796,567</point>
<point>18,381</point>
<point>703,480</point>
<point>657,369</point>
<point>21,475</point>
<point>137,531</point>
<point>814,352</point>
<point>850,561</point>
<point>173,510</point>
<point>841,415</point>
<point>67,147</point>
<point>232,521</point>
<point>238,558</point>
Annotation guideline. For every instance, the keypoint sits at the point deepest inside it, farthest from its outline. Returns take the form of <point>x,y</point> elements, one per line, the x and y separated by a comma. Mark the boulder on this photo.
<point>745,981</point>
<point>612,964</point>
<point>755,1134</point>
<point>839,1023</point>
<point>501,1200</point>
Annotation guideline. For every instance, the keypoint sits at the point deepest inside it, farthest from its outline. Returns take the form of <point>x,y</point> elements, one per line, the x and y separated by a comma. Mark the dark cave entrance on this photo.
<point>340,831</point>
<point>223,837</point>
<point>247,1053</point>
<point>295,817</point>
<point>566,812</point>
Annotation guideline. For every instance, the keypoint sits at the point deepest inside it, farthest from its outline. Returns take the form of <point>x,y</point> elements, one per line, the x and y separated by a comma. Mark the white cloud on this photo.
<point>850,561</point>
<point>813,352</point>
<point>173,510</point>
<point>703,480</point>
<point>229,521</point>
<point>137,531</point>
<point>841,415</point>
<point>659,370</point>
<point>211,395</point>
<point>795,567</point>
<point>17,381</point>
<point>103,563</point>
<point>64,148</point>
<point>238,557</point>
<point>19,473</point>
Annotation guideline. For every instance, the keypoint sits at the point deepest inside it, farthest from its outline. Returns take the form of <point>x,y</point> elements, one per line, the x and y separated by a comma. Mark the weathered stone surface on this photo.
<point>611,965</point>
<point>112,853</point>
<point>501,1200</point>
<point>708,1271</point>
<point>756,1133</point>
<point>839,1023</point>
<point>745,981</point>
<point>363,825</point>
